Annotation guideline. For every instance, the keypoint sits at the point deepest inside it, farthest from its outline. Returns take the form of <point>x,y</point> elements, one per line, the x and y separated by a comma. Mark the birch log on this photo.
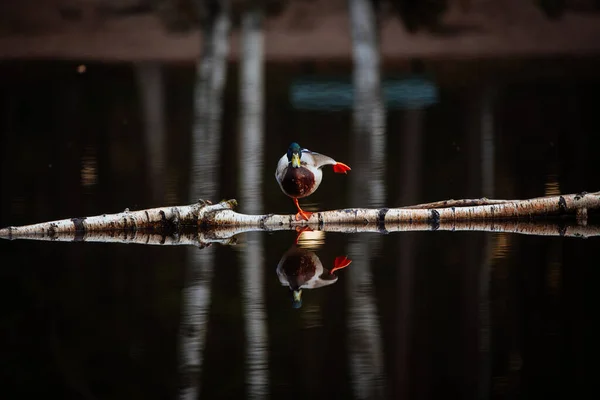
<point>220,219</point>
<point>228,235</point>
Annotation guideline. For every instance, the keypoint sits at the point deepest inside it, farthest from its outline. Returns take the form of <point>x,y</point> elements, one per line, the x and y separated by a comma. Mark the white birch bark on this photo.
<point>227,235</point>
<point>212,218</point>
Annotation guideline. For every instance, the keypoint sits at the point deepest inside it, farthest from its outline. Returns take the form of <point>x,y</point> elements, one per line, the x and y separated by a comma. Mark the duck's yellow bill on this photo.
<point>295,160</point>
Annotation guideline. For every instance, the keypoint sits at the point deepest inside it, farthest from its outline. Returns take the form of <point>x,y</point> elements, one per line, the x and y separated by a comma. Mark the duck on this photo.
<point>302,269</point>
<point>299,174</point>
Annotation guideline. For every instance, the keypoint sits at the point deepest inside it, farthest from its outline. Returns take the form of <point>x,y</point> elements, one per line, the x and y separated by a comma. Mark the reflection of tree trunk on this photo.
<point>150,83</point>
<point>411,188</point>
<point>206,138</point>
<point>488,186</point>
<point>251,169</point>
<point>369,110</point>
<point>194,320</point>
<point>485,323</point>
<point>257,357</point>
<point>364,332</point>
<point>482,183</point>
<point>366,356</point>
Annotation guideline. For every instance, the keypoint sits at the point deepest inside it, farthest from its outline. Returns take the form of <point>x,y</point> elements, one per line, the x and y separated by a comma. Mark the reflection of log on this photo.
<point>226,235</point>
<point>209,216</point>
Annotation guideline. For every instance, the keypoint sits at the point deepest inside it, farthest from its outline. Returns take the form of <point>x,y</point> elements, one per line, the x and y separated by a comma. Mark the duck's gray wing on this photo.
<point>317,159</point>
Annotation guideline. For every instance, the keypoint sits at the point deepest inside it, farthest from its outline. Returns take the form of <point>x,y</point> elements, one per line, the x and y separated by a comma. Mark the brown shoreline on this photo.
<point>480,33</point>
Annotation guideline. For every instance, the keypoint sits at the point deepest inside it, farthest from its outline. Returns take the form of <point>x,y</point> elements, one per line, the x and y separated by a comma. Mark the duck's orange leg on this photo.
<point>340,168</point>
<point>305,215</point>
<point>340,262</point>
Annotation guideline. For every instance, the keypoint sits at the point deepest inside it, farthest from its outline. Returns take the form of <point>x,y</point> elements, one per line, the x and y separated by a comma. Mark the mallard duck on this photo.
<point>299,174</point>
<point>302,269</point>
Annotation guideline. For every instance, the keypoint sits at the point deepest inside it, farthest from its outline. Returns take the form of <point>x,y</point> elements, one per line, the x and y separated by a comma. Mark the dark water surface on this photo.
<point>415,315</point>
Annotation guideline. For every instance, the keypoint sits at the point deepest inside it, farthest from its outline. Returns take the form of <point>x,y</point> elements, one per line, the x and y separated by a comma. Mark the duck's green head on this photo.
<point>294,153</point>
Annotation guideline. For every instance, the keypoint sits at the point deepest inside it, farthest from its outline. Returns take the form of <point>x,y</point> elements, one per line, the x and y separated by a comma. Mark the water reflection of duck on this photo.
<point>299,174</point>
<point>302,269</point>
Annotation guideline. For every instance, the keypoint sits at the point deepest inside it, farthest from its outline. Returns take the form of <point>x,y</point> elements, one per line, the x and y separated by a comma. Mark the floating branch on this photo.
<point>214,219</point>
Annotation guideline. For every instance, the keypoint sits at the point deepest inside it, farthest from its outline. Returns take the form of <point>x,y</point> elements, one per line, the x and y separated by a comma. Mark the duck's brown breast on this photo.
<point>298,182</point>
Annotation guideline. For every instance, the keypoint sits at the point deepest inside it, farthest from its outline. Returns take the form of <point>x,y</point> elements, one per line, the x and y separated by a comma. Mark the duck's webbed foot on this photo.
<point>340,168</point>
<point>303,215</point>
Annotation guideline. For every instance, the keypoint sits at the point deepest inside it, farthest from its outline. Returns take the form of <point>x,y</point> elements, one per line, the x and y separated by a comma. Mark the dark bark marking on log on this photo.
<point>261,223</point>
<point>195,215</point>
<point>79,229</point>
<point>562,229</point>
<point>52,234</point>
<point>175,221</point>
<point>147,217</point>
<point>78,222</point>
<point>381,220</point>
<point>320,219</point>
<point>434,220</point>
<point>167,226</point>
<point>203,224</point>
<point>580,195</point>
<point>562,205</point>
